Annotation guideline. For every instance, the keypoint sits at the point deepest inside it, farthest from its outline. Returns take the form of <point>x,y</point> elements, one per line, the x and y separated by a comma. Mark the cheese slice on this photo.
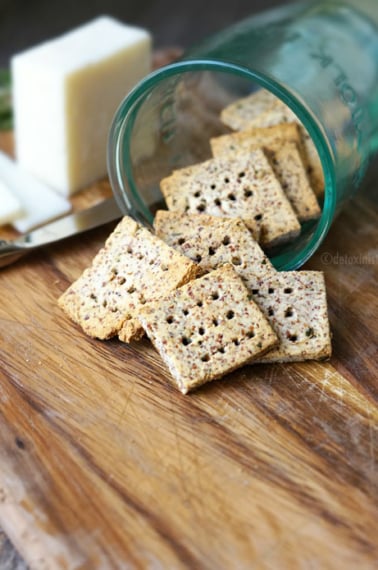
<point>38,203</point>
<point>66,92</point>
<point>10,206</point>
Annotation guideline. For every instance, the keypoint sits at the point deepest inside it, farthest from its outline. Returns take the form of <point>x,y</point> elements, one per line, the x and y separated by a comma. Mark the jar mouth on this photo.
<point>119,157</point>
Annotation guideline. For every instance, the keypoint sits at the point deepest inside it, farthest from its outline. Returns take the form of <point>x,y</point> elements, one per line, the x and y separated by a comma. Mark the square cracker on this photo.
<point>134,267</point>
<point>279,114</point>
<point>280,145</point>
<point>207,328</point>
<point>312,162</point>
<point>243,187</point>
<point>287,165</point>
<point>211,241</point>
<point>303,309</point>
<point>237,113</point>
<point>253,137</point>
<point>296,306</point>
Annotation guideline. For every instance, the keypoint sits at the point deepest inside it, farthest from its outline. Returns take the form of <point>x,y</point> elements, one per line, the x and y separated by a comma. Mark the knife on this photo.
<point>93,217</point>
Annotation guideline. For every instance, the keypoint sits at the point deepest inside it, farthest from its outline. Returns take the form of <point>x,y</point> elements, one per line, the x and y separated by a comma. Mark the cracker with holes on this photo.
<point>280,145</point>
<point>244,110</point>
<point>280,114</point>
<point>134,267</point>
<point>291,301</point>
<point>295,304</point>
<point>211,241</point>
<point>207,328</point>
<point>243,187</point>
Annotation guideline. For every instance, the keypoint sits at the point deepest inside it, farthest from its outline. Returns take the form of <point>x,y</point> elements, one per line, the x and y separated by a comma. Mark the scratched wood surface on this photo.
<point>105,466</point>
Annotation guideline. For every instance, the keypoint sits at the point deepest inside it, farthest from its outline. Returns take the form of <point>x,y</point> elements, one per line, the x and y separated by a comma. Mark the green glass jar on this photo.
<point>318,57</point>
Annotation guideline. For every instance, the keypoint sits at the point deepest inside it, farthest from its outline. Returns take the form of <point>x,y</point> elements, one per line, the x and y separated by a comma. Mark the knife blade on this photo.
<point>93,217</point>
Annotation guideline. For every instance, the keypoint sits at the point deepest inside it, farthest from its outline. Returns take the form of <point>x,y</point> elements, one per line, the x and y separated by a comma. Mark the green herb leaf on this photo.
<point>6,114</point>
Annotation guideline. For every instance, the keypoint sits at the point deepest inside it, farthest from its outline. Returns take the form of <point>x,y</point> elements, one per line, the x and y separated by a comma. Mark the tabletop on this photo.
<point>106,466</point>
<point>295,449</point>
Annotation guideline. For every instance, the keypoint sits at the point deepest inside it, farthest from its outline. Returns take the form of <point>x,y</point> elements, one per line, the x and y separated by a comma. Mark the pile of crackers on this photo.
<point>202,287</point>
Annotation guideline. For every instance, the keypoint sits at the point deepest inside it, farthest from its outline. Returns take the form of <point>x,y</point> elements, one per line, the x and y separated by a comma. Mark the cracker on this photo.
<point>287,165</point>
<point>237,113</point>
<point>295,304</point>
<point>207,328</point>
<point>211,241</point>
<point>253,137</point>
<point>243,187</point>
<point>134,267</point>
<point>290,313</point>
<point>280,145</point>
<point>280,114</point>
<point>277,115</point>
<point>313,164</point>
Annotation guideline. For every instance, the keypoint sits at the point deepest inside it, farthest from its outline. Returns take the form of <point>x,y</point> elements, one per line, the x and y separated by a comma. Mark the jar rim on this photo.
<point>132,203</point>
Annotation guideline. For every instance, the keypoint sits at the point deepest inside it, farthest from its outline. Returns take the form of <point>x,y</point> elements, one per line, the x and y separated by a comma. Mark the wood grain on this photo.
<point>104,465</point>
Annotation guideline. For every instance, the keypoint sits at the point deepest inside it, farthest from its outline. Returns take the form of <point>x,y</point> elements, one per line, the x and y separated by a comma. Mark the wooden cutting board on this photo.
<point>104,465</point>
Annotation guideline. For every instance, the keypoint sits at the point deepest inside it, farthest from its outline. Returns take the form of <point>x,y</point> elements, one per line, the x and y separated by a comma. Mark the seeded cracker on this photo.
<point>294,302</point>
<point>284,158</point>
<point>252,137</point>
<point>288,167</point>
<point>207,328</point>
<point>242,187</point>
<point>280,114</point>
<point>134,267</point>
<point>243,110</point>
<point>296,306</point>
<point>212,242</point>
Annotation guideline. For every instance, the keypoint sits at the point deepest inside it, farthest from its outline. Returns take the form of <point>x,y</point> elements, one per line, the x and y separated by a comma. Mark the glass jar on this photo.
<point>319,57</point>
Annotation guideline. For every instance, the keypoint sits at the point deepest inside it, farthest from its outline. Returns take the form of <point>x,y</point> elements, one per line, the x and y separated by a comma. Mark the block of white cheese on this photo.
<point>65,93</point>
<point>10,206</point>
<point>39,204</point>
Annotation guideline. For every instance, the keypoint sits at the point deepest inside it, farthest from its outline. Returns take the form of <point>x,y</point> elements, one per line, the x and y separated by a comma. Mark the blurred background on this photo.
<point>24,23</point>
